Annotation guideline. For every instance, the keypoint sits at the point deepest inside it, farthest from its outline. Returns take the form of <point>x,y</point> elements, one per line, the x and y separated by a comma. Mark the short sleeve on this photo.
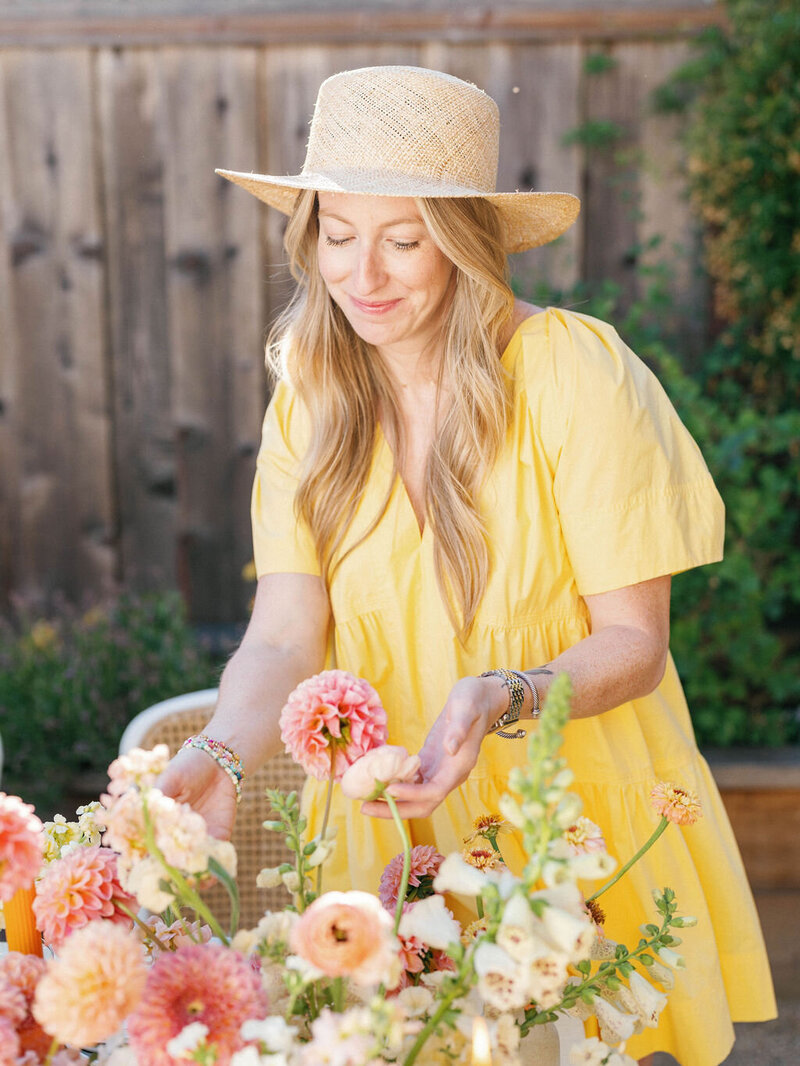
<point>282,543</point>
<point>634,495</point>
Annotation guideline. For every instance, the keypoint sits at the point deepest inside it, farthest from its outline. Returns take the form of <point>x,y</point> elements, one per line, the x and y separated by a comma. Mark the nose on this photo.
<point>368,272</point>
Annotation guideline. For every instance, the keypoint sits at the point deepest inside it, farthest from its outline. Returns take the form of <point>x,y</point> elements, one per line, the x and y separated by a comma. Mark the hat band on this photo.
<point>383,182</point>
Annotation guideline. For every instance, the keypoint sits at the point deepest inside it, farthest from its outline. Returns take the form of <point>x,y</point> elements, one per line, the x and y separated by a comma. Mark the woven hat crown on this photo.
<point>406,127</point>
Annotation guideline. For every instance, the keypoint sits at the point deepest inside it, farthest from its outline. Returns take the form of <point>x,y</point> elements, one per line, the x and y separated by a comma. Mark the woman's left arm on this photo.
<point>622,659</point>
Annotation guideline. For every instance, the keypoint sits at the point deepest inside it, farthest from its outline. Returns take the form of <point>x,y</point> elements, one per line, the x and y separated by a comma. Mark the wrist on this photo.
<point>514,685</point>
<point>226,759</point>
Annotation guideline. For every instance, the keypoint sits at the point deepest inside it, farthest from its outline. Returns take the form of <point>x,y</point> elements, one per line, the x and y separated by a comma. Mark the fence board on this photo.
<point>59,406</point>
<point>216,318</point>
<point>133,158</point>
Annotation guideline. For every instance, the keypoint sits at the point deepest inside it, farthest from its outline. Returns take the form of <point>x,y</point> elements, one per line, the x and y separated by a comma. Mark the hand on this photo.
<point>194,778</point>
<point>450,750</point>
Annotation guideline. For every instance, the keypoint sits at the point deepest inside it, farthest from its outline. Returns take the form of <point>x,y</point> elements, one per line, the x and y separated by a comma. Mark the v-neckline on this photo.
<point>384,442</point>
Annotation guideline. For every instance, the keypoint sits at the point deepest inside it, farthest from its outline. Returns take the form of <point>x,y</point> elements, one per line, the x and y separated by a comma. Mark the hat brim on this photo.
<point>529,219</point>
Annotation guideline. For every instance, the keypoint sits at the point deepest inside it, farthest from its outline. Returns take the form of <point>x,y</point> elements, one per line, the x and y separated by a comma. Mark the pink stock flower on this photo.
<point>92,986</point>
<point>425,862</point>
<point>348,934</point>
<point>21,845</point>
<point>210,984</point>
<point>23,972</point>
<point>379,767</point>
<point>678,805</point>
<point>77,889</point>
<point>332,709</point>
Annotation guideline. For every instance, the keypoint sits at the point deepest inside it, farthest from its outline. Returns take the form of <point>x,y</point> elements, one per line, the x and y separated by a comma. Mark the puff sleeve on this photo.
<point>634,495</point>
<point>282,543</point>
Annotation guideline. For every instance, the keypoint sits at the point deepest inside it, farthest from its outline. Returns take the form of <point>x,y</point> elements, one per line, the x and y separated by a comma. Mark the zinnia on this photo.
<point>77,889</point>
<point>349,934</point>
<point>332,710</point>
<point>425,863</point>
<point>208,983</point>
<point>20,845</point>
<point>678,805</point>
<point>93,985</point>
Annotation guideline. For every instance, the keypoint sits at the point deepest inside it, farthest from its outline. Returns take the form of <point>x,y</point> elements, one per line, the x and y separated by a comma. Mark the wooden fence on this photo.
<point>136,285</point>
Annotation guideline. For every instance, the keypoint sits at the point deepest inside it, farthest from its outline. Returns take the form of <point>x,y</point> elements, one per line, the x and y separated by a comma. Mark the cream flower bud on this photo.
<point>568,934</point>
<point>662,974</point>
<point>568,810</point>
<point>593,865</point>
<point>269,877</point>
<point>671,958</point>
<point>291,880</point>
<point>144,881</point>
<point>456,875</point>
<point>511,810</point>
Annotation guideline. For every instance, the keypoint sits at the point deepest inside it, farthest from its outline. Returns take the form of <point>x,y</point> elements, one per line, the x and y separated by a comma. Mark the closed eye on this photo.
<point>334,242</point>
<point>405,246</point>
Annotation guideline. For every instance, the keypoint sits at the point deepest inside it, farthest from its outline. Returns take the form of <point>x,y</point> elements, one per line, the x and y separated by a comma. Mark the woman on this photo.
<point>452,482</point>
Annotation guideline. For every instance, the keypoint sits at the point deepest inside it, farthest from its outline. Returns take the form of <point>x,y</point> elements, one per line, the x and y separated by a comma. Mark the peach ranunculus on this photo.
<point>678,805</point>
<point>335,710</point>
<point>20,845</point>
<point>92,986</point>
<point>77,889</point>
<point>349,934</point>
<point>366,778</point>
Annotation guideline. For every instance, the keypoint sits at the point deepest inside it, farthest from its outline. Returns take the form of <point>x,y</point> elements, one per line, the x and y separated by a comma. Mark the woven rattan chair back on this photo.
<point>170,722</point>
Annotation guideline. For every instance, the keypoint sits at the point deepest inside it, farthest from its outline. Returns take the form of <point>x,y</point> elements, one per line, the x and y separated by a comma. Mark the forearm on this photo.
<point>618,664</point>
<point>253,689</point>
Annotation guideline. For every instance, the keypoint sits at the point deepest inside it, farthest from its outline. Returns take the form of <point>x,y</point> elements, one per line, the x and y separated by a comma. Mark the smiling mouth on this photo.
<point>373,308</point>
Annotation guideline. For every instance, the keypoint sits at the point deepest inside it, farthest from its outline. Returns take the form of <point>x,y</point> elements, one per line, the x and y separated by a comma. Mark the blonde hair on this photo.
<point>344,386</point>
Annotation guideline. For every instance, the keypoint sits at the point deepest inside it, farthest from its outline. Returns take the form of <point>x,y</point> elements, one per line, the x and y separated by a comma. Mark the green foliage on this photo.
<point>598,63</point>
<point>70,685</point>
<point>595,133</point>
<point>742,91</point>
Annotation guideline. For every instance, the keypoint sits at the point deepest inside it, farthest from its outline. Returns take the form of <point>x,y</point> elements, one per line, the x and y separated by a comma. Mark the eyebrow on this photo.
<point>386,225</point>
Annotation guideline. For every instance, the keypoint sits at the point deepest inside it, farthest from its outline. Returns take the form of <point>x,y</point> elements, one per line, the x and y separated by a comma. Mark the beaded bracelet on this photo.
<point>223,756</point>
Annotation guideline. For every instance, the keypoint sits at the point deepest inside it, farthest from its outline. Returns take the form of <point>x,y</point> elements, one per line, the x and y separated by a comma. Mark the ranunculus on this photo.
<point>348,934</point>
<point>366,778</point>
<point>332,710</point>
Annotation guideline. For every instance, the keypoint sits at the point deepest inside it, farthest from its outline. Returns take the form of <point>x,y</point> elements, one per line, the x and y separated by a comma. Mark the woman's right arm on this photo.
<point>285,642</point>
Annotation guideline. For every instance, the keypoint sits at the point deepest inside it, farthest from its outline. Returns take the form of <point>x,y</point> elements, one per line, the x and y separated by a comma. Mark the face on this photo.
<point>382,268</point>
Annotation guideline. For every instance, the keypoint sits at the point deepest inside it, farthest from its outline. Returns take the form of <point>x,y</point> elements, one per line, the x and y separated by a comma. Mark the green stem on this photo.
<point>325,816</point>
<point>401,829</point>
<point>337,990</point>
<point>624,869</point>
<point>433,1021</point>
<point>479,905</point>
<point>51,1051</point>
<point>145,928</point>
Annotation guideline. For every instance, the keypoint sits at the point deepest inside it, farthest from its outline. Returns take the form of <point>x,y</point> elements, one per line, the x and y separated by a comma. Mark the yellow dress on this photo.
<point>598,486</point>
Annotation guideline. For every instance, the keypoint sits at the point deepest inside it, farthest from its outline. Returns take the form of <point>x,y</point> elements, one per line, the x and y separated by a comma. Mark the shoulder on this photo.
<point>286,423</point>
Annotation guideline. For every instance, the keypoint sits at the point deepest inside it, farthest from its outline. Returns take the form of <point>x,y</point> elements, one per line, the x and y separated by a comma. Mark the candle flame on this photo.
<point>481,1048</point>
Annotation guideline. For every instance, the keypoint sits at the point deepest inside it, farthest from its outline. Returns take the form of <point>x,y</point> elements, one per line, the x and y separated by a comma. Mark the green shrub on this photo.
<point>70,685</point>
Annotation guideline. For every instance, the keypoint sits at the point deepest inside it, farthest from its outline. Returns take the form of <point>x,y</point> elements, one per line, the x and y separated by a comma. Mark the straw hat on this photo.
<point>407,131</point>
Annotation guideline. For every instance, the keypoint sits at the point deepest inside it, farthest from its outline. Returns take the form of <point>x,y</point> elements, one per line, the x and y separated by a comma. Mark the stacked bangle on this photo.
<point>515,681</point>
<point>223,756</point>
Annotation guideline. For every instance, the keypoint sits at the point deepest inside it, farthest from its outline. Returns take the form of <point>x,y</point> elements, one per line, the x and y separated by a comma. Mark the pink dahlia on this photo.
<point>21,845</point>
<point>92,986</point>
<point>425,862</point>
<point>332,710</point>
<point>77,889</point>
<point>23,972</point>
<point>205,983</point>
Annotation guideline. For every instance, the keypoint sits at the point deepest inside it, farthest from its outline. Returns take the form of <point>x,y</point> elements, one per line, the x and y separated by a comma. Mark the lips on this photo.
<point>378,307</point>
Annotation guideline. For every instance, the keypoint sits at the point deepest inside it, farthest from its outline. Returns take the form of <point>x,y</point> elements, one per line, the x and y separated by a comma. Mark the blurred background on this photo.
<point>136,289</point>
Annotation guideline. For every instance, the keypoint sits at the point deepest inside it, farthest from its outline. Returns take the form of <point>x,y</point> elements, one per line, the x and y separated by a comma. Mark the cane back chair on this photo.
<point>170,722</point>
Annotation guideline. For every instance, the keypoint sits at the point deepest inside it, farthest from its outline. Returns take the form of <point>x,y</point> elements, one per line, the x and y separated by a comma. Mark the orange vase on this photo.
<point>21,932</point>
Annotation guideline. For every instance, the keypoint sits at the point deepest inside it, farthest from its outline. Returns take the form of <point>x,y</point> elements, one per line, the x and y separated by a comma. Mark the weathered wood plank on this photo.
<point>214,285</point>
<point>58,404</point>
<point>446,20</point>
<point>133,159</point>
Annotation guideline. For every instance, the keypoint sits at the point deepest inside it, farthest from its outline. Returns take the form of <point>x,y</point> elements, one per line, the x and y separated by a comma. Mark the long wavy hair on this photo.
<point>347,389</point>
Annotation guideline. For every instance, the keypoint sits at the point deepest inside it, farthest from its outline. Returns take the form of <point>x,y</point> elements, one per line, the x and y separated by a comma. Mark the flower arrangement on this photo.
<point>143,974</point>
